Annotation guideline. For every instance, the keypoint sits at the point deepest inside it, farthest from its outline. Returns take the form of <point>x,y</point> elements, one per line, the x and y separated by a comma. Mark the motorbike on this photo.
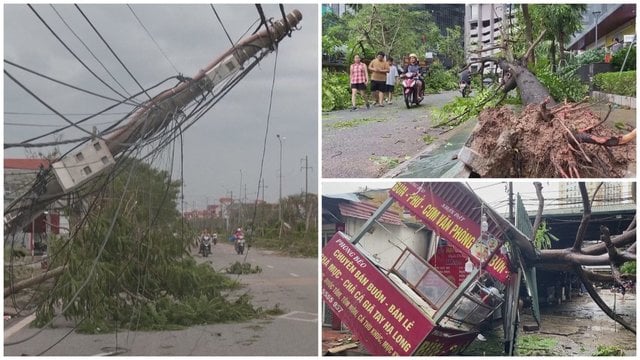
<point>465,88</point>
<point>205,247</point>
<point>240,245</point>
<point>410,89</point>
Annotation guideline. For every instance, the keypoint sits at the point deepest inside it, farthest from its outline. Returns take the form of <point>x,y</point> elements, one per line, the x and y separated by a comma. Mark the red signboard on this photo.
<point>452,225</point>
<point>450,263</point>
<point>376,312</point>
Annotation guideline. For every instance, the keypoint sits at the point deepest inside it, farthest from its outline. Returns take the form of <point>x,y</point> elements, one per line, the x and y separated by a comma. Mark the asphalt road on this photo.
<point>368,143</point>
<point>289,282</point>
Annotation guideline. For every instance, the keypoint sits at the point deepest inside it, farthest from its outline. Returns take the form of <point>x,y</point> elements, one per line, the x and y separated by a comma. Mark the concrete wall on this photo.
<point>616,99</point>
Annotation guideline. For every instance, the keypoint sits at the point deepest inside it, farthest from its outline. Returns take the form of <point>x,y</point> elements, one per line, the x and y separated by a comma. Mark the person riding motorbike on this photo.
<point>414,67</point>
<point>465,81</point>
<point>205,243</point>
<point>239,240</point>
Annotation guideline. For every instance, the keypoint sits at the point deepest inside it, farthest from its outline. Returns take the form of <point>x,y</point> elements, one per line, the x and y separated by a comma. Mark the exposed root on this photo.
<point>546,143</point>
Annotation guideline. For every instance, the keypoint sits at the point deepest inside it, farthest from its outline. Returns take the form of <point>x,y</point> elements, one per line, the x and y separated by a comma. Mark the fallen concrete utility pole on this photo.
<point>33,281</point>
<point>97,156</point>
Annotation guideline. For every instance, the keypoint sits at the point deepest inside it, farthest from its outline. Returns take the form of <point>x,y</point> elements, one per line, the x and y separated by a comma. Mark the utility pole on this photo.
<point>263,186</point>
<point>97,156</point>
<point>511,203</point>
<point>306,168</point>
<point>597,15</point>
<point>240,199</point>
<point>280,192</point>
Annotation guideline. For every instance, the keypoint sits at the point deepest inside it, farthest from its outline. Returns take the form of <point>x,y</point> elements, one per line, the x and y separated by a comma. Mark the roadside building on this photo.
<point>608,21</point>
<point>484,26</point>
<point>20,175</point>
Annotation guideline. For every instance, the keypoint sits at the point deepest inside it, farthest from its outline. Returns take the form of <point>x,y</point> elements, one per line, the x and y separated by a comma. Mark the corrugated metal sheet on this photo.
<point>364,211</point>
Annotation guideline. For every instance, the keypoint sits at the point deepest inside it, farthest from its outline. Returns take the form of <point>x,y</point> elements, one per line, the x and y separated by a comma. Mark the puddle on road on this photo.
<point>577,328</point>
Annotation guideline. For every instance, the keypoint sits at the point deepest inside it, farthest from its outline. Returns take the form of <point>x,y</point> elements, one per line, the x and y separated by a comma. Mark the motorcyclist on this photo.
<point>205,240</point>
<point>465,76</point>
<point>414,67</point>
<point>239,238</point>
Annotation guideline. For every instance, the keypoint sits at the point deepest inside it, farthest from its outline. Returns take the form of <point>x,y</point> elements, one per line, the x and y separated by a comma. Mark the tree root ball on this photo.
<point>541,143</point>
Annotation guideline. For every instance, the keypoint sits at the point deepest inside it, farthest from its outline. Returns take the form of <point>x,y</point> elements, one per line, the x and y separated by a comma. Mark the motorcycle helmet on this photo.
<point>413,55</point>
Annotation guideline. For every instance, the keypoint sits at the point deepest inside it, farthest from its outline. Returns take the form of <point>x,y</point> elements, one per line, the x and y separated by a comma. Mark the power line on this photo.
<point>92,116</point>
<point>47,105</point>
<point>71,51</point>
<point>59,81</point>
<point>89,50</point>
<point>152,39</point>
<point>221,24</point>
<point>111,50</point>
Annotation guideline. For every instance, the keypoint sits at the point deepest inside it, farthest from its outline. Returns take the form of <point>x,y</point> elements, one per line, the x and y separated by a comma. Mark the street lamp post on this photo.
<point>280,191</point>
<point>597,15</point>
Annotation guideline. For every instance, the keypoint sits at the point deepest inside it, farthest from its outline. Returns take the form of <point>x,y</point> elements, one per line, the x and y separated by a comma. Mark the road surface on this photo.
<point>289,282</point>
<point>368,143</point>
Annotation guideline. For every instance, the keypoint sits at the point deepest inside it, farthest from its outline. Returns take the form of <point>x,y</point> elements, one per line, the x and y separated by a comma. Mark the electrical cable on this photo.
<point>153,39</point>
<point>48,106</point>
<point>97,114</point>
<point>71,51</point>
<point>89,50</point>
<point>221,24</point>
<point>94,263</point>
<point>60,82</point>
<point>111,50</point>
<point>264,147</point>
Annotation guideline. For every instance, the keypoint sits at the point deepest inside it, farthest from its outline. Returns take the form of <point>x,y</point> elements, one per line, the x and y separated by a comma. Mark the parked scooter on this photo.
<point>410,89</point>
<point>240,244</point>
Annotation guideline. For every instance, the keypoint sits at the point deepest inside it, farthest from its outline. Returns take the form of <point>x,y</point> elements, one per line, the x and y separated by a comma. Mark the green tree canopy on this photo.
<point>393,28</point>
<point>128,264</point>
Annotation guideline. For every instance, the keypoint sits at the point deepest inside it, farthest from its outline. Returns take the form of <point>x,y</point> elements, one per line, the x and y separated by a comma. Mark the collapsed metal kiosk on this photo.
<point>417,307</point>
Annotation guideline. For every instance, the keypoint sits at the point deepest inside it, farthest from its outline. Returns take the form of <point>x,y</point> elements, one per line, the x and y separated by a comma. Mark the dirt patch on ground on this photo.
<point>541,143</point>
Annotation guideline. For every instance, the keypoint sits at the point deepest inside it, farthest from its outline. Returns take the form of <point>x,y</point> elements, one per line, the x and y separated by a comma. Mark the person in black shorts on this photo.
<point>379,69</point>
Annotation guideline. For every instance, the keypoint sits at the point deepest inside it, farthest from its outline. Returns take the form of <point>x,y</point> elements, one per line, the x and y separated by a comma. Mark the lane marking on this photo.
<point>294,275</point>
<point>270,267</point>
<point>300,316</point>
<point>18,326</point>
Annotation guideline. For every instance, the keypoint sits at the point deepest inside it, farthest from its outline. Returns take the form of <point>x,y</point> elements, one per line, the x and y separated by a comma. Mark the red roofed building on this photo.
<point>19,177</point>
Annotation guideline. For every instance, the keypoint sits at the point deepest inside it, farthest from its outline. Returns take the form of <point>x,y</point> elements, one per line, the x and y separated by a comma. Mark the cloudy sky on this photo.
<point>223,145</point>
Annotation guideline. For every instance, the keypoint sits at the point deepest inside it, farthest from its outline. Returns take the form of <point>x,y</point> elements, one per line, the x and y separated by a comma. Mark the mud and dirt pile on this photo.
<point>547,142</point>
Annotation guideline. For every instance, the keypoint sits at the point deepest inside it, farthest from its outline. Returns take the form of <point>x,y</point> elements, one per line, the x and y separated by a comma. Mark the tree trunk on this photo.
<point>552,54</point>
<point>531,90</point>
<point>528,32</point>
<point>560,47</point>
<point>598,300</point>
<point>33,281</point>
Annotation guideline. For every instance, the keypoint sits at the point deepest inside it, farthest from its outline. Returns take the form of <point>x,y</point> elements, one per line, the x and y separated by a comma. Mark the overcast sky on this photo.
<point>226,141</point>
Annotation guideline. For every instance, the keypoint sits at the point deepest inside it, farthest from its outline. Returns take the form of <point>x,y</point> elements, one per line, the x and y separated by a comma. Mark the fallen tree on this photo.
<point>612,251</point>
<point>545,139</point>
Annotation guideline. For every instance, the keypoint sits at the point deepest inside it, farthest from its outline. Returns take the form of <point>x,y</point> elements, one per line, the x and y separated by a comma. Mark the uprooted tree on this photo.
<point>545,139</point>
<point>613,250</point>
